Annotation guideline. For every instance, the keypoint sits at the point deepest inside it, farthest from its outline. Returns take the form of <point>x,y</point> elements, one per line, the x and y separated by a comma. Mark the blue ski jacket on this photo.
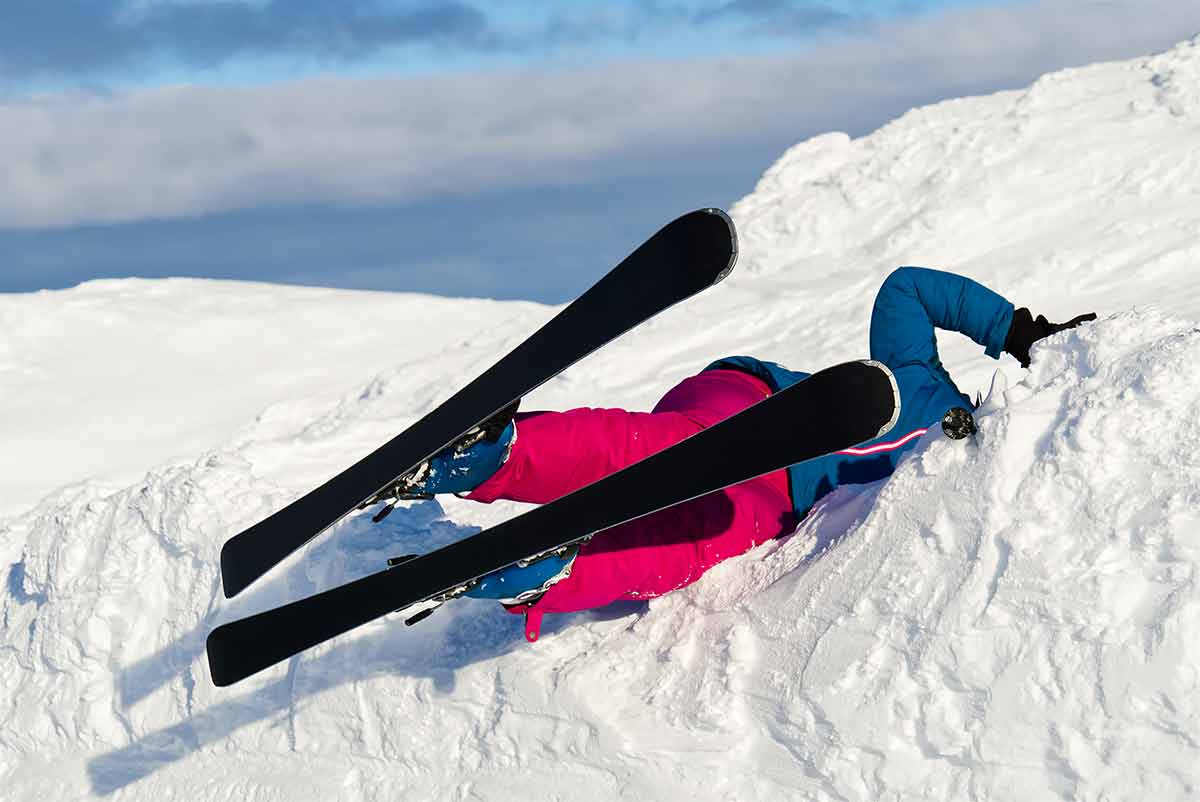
<point>912,302</point>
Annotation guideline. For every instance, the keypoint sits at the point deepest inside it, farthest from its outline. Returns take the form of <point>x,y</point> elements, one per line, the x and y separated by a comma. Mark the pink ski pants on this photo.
<point>557,452</point>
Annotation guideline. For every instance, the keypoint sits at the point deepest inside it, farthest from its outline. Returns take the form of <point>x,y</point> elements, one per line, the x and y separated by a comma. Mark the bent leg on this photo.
<point>558,452</point>
<point>673,547</point>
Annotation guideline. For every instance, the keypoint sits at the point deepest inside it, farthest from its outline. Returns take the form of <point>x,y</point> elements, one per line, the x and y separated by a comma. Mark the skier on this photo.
<point>540,456</point>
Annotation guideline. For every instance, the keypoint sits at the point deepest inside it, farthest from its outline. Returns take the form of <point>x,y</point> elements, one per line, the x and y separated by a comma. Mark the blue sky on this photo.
<point>123,42</point>
<point>512,149</point>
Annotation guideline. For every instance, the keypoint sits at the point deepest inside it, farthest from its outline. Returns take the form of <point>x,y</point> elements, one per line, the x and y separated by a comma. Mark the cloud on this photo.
<point>77,38</point>
<point>187,151</point>
<point>73,37</point>
<point>779,17</point>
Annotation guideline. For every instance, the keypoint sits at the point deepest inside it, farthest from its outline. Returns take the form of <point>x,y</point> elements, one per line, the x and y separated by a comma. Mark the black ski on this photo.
<point>831,410</point>
<point>687,255</point>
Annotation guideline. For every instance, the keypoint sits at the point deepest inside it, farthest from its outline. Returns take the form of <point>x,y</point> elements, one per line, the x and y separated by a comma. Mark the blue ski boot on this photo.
<point>458,468</point>
<point>526,580</point>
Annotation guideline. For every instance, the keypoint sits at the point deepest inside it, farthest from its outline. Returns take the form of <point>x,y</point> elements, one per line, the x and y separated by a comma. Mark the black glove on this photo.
<point>1025,331</point>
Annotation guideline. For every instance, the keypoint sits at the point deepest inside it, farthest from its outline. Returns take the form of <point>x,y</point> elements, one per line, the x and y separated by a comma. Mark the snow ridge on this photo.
<point>1076,166</point>
<point>1015,617</point>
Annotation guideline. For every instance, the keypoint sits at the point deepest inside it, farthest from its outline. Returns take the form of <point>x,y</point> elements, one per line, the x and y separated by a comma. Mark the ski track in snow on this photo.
<point>1014,617</point>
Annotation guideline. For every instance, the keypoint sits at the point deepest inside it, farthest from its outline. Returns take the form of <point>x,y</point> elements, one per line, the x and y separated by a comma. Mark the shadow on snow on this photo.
<point>464,633</point>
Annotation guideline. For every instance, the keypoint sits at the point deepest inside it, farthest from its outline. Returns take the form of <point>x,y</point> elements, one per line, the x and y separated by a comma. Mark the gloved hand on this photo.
<point>1025,331</point>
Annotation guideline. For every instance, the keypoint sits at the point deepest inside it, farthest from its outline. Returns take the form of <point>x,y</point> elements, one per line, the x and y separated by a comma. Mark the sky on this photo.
<point>513,149</point>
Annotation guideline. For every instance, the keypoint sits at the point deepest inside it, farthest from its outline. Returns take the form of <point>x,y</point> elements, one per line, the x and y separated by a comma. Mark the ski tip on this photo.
<point>721,213</point>
<point>733,241</point>
<point>709,240</point>
<point>887,427</point>
<point>868,390</point>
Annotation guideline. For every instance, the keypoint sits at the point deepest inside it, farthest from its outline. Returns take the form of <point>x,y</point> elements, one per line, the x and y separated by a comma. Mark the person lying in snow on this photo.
<point>540,456</point>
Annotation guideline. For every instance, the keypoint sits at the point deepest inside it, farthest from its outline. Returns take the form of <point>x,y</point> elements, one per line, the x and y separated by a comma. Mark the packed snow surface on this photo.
<point>1013,617</point>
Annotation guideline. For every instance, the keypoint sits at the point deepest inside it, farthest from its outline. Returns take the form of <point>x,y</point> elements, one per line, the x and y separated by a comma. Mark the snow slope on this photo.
<point>126,374</point>
<point>1010,618</point>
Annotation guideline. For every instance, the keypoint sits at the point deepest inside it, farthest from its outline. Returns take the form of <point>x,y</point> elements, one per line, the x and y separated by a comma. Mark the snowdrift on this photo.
<point>1013,617</point>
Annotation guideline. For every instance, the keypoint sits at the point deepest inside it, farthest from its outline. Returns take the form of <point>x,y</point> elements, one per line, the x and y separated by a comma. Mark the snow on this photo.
<point>120,375</point>
<point>1010,618</point>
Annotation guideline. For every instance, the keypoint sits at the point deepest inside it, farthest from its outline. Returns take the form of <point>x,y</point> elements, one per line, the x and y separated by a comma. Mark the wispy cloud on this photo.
<point>186,151</point>
<point>89,40</point>
<point>70,37</point>
<point>780,17</point>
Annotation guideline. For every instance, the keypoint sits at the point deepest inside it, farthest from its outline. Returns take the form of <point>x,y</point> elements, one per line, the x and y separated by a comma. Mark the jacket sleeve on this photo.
<point>914,301</point>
